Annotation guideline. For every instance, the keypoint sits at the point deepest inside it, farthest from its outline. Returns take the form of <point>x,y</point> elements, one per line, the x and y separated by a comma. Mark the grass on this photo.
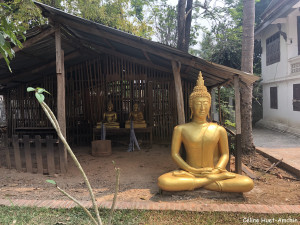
<point>31,216</point>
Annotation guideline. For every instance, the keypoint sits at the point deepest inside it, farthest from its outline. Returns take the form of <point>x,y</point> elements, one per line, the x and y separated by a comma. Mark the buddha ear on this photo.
<point>191,117</point>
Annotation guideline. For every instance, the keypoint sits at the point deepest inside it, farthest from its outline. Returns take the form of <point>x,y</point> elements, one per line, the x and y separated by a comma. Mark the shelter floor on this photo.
<point>139,173</point>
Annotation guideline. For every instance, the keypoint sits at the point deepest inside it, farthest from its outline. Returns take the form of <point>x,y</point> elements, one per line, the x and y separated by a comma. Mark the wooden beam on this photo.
<point>176,66</point>
<point>220,84</point>
<point>146,55</point>
<point>60,73</point>
<point>33,40</point>
<point>36,70</point>
<point>133,59</point>
<point>72,40</point>
<point>109,44</point>
<point>236,81</point>
<point>58,51</point>
<point>238,156</point>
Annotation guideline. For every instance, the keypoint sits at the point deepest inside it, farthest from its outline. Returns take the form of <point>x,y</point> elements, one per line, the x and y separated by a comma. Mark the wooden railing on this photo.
<point>44,156</point>
<point>234,150</point>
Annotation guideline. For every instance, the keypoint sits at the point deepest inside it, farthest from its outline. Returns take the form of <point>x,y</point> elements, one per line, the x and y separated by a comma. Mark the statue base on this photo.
<point>112,126</point>
<point>99,124</point>
<point>101,148</point>
<point>136,125</point>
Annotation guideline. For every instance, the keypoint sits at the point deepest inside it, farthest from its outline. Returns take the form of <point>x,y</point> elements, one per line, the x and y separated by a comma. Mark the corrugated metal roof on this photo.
<point>78,33</point>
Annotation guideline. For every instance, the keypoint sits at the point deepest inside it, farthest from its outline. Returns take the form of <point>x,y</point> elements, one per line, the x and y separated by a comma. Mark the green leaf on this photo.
<point>40,90</point>
<point>2,40</point>
<point>30,89</point>
<point>51,182</point>
<point>40,97</point>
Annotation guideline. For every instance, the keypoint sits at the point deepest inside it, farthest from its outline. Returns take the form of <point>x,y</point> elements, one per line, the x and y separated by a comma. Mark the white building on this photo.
<point>279,33</point>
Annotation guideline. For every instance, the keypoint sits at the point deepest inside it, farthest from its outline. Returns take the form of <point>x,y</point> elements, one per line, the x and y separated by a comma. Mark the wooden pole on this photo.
<point>61,92</point>
<point>176,66</point>
<point>238,157</point>
<point>220,109</point>
<point>60,74</point>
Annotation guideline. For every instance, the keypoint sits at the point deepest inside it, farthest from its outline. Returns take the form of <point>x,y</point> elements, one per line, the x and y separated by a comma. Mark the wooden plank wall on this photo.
<point>89,87</point>
<point>94,83</point>
<point>33,155</point>
<point>24,109</point>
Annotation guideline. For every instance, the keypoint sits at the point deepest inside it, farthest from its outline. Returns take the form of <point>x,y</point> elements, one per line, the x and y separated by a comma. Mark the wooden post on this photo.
<point>60,74</point>
<point>150,103</point>
<point>61,92</point>
<point>219,102</point>
<point>238,157</point>
<point>50,155</point>
<point>17,153</point>
<point>27,151</point>
<point>215,115</point>
<point>176,66</point>
<point>7,150</point>
<point>39,154</point>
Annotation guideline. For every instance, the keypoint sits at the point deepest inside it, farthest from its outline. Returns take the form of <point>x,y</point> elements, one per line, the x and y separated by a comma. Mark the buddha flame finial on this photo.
<point>199,90</point>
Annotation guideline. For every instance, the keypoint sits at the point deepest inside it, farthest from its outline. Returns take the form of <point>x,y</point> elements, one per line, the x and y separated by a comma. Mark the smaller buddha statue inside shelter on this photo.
<point>136,117</point>
<point>207,152</point>
<point>110,117</point>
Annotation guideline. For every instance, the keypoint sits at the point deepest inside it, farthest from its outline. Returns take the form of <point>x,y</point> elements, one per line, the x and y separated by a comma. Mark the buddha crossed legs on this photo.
<point>207,152</point>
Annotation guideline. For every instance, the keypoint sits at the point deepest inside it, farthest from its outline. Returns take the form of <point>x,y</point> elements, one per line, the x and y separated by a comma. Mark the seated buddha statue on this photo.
<point>110,117</point>
<point>136,117</point>
<point>207,152</point>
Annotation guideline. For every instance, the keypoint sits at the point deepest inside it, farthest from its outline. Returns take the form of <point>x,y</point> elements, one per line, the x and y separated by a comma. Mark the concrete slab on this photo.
<point>290,156</point>
<point>279,145</point>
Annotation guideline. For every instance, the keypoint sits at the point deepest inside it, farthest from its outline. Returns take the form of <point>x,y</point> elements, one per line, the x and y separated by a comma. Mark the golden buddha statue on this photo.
<point>207,152</point>
<point>110,117</point>
<point>136,117</point>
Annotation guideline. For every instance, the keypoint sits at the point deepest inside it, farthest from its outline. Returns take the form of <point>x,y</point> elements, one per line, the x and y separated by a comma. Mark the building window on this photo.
<point>273,98</point>
<point>296,97</point>
<point>273,49</point>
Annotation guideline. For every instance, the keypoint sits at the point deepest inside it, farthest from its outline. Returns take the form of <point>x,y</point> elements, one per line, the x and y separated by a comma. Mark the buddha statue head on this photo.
<point>110,106</point>
<point>135,107</point>
<point>200,100</point>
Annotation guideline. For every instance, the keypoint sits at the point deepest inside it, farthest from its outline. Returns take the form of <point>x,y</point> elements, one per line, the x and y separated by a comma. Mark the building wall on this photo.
<point>282,75</point>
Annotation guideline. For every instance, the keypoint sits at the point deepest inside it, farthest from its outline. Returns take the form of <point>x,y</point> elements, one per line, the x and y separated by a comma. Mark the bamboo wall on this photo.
<point>89,87</point>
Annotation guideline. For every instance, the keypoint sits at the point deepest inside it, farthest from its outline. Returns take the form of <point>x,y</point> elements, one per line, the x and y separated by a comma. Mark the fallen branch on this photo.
<point>273,165</point>
<point>248,171</point>
<point>270,168</point>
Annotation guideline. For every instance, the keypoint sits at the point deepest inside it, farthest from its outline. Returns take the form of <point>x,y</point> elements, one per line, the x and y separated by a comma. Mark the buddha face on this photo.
<point>135,107</point>
<point>200,107</point>
<point>110,107</point>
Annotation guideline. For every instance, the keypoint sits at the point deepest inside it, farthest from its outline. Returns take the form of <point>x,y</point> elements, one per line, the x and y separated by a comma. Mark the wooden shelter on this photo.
<point>84,65</point>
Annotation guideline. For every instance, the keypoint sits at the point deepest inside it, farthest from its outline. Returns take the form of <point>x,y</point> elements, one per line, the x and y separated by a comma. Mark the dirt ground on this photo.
<point>139,173</point>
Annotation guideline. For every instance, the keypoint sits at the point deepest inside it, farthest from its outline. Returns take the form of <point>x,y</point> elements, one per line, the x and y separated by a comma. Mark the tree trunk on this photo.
<point>247,66</point>
<point>188,22</point>
<point>181,24</point>
<point>184,21</point>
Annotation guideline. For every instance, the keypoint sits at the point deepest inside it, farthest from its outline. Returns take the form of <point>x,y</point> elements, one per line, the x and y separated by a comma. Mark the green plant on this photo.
<point>40,97</point>
<point>229,123</point>
<point>9,32</point>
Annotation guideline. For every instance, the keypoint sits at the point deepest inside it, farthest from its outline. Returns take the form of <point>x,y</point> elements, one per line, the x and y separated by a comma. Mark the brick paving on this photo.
<point>148,205</point>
